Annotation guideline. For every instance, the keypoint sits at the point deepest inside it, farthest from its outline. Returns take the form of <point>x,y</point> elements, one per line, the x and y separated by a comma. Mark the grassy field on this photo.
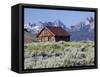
<point>58,54</point>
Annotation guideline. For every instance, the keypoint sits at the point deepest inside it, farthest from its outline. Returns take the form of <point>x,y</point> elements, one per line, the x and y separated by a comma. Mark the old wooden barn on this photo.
<point>51,33</point>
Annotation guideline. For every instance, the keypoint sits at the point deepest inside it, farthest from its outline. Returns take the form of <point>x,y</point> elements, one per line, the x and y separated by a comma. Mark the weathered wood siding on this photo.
<point>46,35</point>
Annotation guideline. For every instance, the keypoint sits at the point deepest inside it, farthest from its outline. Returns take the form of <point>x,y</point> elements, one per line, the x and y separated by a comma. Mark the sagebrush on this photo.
<point>58,54</point>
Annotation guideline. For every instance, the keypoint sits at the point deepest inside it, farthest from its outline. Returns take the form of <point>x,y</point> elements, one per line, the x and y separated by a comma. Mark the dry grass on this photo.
<point>58,54</point>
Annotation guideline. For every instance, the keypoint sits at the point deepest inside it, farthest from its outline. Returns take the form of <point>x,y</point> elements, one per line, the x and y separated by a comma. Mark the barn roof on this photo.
<point>57,31</point>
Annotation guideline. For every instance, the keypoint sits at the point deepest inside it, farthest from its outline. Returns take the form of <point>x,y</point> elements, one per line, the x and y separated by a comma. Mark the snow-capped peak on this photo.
<point>85,25</point>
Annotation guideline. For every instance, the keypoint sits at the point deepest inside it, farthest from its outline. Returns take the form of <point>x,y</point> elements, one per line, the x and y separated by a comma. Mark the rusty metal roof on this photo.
<point>58,31</point>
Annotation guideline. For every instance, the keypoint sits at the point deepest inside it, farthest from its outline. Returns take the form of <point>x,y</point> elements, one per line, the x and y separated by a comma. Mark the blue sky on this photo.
<point>44,15</point>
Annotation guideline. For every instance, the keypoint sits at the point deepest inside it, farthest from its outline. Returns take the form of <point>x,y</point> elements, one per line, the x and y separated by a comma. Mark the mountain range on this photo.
<point>83,30</point>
